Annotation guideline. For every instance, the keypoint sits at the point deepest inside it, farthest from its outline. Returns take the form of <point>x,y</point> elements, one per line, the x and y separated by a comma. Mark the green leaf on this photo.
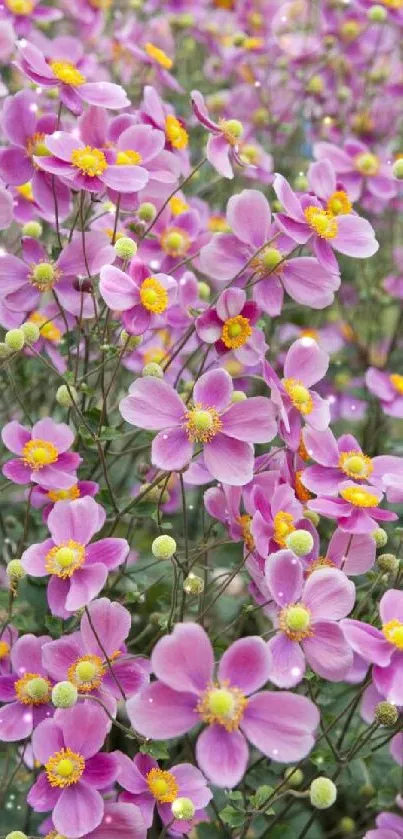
<point>208,831</point>
<point>156,748</point>
<point>235,795</point>
<point>231,816</point>
<point>261,795</point>
<point>54,625</point>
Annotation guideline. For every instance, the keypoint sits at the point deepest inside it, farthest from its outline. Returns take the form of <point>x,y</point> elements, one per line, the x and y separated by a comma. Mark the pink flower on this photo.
<point>388,387</point>
<point>143,296</point>
<point>225,431</point>
<point>78,569</point>
<point>47,498</point>
<point>388,826</point>
<point>26,690</point>
<point>43,454</point>
<point>119,819</point>
<point>222,145</point>
<point>358,168</point>
<point>281,725</point>
<point>356,509</point>
<point>230,326</point>
<point>307,621</point>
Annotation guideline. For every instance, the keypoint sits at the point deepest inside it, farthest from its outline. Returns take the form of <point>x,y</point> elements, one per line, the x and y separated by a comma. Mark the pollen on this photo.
<point>33,689</point>
<point>47,328</point>
<point>393,632</point>
<point>283,524</point>
<point>396,381</point>
<point>26,191</point>
<point>269,261</point>
<point>356,465</point>
<point>64,768</point>
<point>359,497</point>
<point>218,224</point>
<point>232,130</point>
<point>235,332</point>
<point>162,785</point>
<point>321,222</point>
<point>39,453</point>
<point>89,161</point>
<point>87,673</point>
<point>36,146</point>
<point>299,395</point>
<point>20,7</point>
<point>64,494</point>
<point>103,5</point>
<point>128,157</point>
<point>392,4</point>
<point>367,164</point>
<point>176,133</point>
<point>250,155</point>
<point>63,560</point>
<point>202,424</point>
<point>301,491</point>
<point>153,296</point>
<point>177,206</point>
<point>295,622</point>
<point>222,705</point>
<point>245,522</point>
<point>317,564</point>
<point>339,203</point>
<point>159,56</point>
<point>67,73</point>
<point>175,242</point>
<point>4,650</point>
<point>302,452</point>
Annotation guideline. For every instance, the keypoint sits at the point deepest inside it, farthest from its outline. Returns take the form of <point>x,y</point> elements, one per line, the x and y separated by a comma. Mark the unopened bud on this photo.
<point>125,247</point>
<point>183,809</point>
<point>33,229</point>
<point>300,542</point>
<point>131,342</point>
<point>238,396</point>
<point>377,14</point>
<point>153,369</point>
<point>66,396</point>
<point>15,339</point>
<point>147,211</point>
<point>380,536</point>
<point>323,793</point>
<point>31,331</point>
<point>4,350</point>
<point>193,584</point>
<point>163,547</point>
<point>347,825</point>
<point>16,834</point>
<point>388,563</point>
<point>204,290</point>
<point>386,714</point>
<point>64,695</point>
<point>397,169</point>
<point>294,777</point>
<point>15,572</point>
<point>312,516</point>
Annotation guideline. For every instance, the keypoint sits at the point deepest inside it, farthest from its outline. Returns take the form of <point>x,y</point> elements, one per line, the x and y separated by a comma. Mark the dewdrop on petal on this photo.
<point>323,793</point>
<point>15,339</point>
<point>294,777</point>
<point>33,229</point>
<point>125,247</point>
<point>64,695</point>
<point>386,714</point>
<point>66,396</point>
<point>300,542</point>
<point>388,563</point>
<point>31,331</point>
<point>153,369</point>
<point>183,809</point>
<point>397,169</point>
<point>163,547</point>
<point>147,211</point>
<point>193,584</point>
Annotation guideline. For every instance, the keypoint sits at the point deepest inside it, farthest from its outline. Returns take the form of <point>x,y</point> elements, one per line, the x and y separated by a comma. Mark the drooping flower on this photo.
<point>26,690</point>
<point>225,431</point>
<point>281,725</point>
<point>43,456</point>
<point>143,296</point>
<point>78,570</point>
<point>222,146</point>
<point>230,326</point>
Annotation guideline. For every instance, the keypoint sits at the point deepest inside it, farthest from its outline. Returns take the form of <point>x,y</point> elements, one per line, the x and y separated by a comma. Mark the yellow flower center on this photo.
<point>339,203</point>
<point>64,494</point>
<point>250,155</point>
<point>232,130</point>
<point>176,133</point>
<point>350,29</point>
<point>321,222</point>
<point>177,206</point>
<point>86,673</point>
<point>359,497</point>
<point>218,224</point>
<point>33,689</point>
<point>158,55</point>
<point>36,146</point>
<point>67,73</point>
<point>128,157</point>
<point>153,295</point>
<point>44,276</point>
<point>393,632</point>
<point>356,465</point>
<point>283,526</point>
<point>154,354</point>
<point>320,562</point>
<point>235,332</point>
<point>301,491</point>
<point>20,7</point>
<point>175,242</point>
<point>392,4</point>
<point>223,705</point>
<point>48,329</point>
<point>162,785</point>
<point>396,381</point>
<point>89,161</point>
<point>299,395</point>
<point>64,559</point>
<point>64,768</point>
<point>245,522</point>
<point>101,4</point>
<point>39,453</point>
<point>202,424</point>
<point>367,163</point>
<point>295,622</point>
<point>4,650</point>
<point>26,191</point>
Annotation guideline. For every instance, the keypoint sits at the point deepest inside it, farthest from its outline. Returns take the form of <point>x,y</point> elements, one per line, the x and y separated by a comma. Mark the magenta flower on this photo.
<point>26,690</point>
<point>8,638</point>
<point>78,570</point>
<point>275,516</point>
<point>47,498</point>
<point>222,146</point>
<point>358,168</point>
<point>281,725</point>
<point>27,13</point>
<point>304,365</point>
<point>78,658</point>
<point>74,770</point>
<point>388,388</point>
<point>87,168</point>
<point>356,510</point>
<point>382,647</point>
<point>43,454</point>
<point>388,826</point>
<point>63,72</point>
<point>142,296</point>
<point>154,111</point>
<point>307,621</point>
<point>230,326</point>
<point>119,819</point>
<point>225,431</point>
<point>148,786</point>
<point>305,220</point>
<point>226,255</point>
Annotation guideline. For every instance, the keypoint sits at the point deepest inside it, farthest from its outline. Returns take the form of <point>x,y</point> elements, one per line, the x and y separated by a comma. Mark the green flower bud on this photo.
<point>315,85</point>
<point>15,571</point>
<point>380,536</point>
<point>66,396</point>
<point>238,396</point>
<point>163,547</point>
<point>301,182</point>
<point>204,290</point>
<point>15,339</point>
<point>16,834</point>
<point>31,332</point>
<point>147,211</point>
<point>33,229</point>
<point>294,777</point>
<point>377,14</point>
<point>388,563</point>
<point>131,341</point>
<point>183,808</point>
<point>347,825</point>
<point>367,791</point>
<point>312,516</point>
<point>386,714</point>
<point>125,247</point>
<point>397,168</point>
<point>323,793</point>
<point>4,350</point>
<point>153,369</point>
<point>64,695</point>
<point>193,584</point>
<point>155,494</point>
<point>300,542</point>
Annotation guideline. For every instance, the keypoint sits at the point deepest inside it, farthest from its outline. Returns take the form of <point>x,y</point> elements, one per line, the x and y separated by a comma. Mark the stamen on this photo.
<point>356,465</point>
<point>299,395</point>
<point>176,133</point>
<point>39,453</point>
<point>393,632</point>
<point>321,222</point>
<point>64,559</point>
<point>359,497</point>
<point>67,73</point>
<point>202,424</point>
<point>89,161</point>
<point>162,785</point>
<point>64,768</point>
<point>153,295</point>
<point>33,689</point>
<point>235,332</point>
<point>283,526</point>
<point>223,705</point>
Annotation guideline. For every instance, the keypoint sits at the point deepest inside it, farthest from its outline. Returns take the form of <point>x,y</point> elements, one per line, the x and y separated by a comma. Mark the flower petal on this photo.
<point>222,755</point>
<point>184,659</point>
<point>246,664</point>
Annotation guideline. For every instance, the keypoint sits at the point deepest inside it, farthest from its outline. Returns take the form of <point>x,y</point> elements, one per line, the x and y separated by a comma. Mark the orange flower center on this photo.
<point>33,689</point>
<point>339,203</point>
<point>64,494</point>
<point>162,785</point>
<point>222,705</point>
<point>202,424</point>
<point>245,523</point>
<point>39,453</point>
<point>4,650</point>
<point>48,329</point>
<point>87,673</point>
<point>235,332</point>
<point>396,381</point>
<point>64,768</point>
